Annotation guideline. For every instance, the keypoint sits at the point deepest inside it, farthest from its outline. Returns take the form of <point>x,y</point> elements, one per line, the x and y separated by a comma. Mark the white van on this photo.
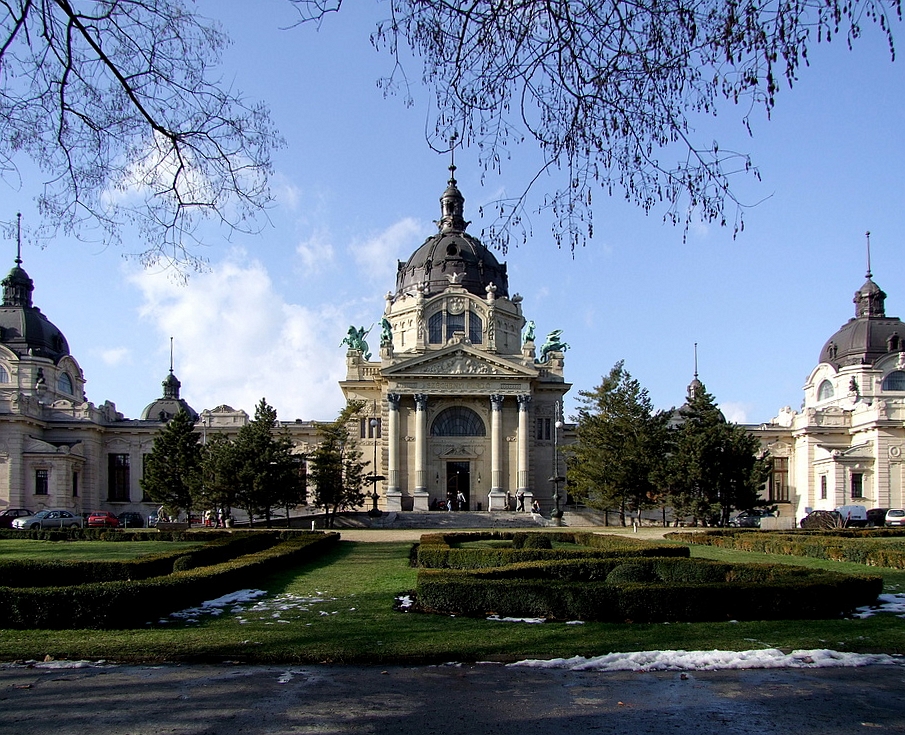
<point>853,515</point>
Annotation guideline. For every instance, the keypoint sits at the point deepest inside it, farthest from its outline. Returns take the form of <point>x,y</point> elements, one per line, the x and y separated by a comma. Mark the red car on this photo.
<point>103,519</point>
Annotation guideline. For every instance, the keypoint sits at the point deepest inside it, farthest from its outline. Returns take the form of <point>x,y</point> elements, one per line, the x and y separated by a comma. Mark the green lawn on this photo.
<point>86,550</point>
<point>355,622</point>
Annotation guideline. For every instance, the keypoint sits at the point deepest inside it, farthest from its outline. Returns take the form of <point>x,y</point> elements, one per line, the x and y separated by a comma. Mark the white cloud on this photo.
<point>237,340</point>
<point>115,356</point>
<point>377,256</point>
<point>315,252</point>
<point>735,412</point>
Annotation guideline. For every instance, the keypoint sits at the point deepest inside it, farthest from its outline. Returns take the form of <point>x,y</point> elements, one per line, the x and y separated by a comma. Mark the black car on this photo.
<point>10,514</point>
<point>822,519</point>
<point>876,517</point>
<point>750,518</point>
<point>130,519</point>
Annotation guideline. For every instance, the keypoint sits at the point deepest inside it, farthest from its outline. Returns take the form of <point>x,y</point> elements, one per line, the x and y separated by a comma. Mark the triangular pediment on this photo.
<point>461,361</point>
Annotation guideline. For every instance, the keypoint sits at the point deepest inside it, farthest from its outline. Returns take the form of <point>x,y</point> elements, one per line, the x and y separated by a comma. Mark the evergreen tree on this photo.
<point>714,467</point>
<point>218,472</point>
<point>267,473</point>
<point>172,471</point>
<point>336,468</point>
<point>621,446</point>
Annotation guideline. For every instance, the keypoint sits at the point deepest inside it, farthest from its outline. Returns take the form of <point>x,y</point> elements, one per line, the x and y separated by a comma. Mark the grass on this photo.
<point>86,550</point>
<point>355,623</point>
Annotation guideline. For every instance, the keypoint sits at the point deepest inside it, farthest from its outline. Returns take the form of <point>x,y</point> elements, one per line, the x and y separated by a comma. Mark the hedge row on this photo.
<point>124,604</point>
<point>646,590</point>
<point>857,548</point>
<point>110,534</point>
<point>50,573</point>
<point>440,551</point>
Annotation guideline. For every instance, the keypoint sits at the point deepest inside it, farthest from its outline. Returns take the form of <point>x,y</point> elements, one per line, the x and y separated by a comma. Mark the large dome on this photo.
<point>869,335</point>
<point>452,256</point>
<point>23,328</point>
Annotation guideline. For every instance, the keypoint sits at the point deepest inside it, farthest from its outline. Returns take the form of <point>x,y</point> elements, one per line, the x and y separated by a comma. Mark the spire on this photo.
<point>17,286</point>
<point>452,203</point>
<point>695,385</point>
<point>171,384</point>
<point>869,299</point>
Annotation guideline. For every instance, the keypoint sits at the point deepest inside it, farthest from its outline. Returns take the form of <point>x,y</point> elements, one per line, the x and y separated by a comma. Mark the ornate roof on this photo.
<point>165,408</point>
<point>23,328</point>
<point>869,335</point>
<point>452,256</point>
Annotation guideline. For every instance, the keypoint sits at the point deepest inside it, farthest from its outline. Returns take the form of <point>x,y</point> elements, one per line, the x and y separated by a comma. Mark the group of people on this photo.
<point>214,518</point>
<point>520,503</point>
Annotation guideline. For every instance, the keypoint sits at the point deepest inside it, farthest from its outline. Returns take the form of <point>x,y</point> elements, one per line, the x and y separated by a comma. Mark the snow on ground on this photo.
<point>887,604</point>
<point>239,604</point>
<point>770,658</point>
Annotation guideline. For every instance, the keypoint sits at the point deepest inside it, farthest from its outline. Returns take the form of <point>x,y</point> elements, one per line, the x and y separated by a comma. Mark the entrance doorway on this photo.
<point>458,480</point>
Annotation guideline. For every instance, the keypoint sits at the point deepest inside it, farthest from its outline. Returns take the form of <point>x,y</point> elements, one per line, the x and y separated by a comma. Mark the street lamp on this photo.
<point>374,478</point>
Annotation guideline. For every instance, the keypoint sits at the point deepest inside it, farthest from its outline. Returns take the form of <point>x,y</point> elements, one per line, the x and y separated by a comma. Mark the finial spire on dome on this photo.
<point>171,355</point>
<point>18,238</point>
<point>867,235</point>
<point>696,360</point>
<point>870,298</point>
<point>452,203</point>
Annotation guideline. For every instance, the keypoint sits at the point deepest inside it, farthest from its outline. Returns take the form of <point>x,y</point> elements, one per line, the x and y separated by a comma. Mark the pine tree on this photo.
<point>714,467</point>
<point>336,468</point>
<point>622,444</point>
<point>267,473</point>
<point>172,471</point>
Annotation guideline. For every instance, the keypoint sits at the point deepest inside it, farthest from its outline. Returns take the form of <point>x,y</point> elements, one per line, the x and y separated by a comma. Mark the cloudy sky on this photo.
<point>357,189</point>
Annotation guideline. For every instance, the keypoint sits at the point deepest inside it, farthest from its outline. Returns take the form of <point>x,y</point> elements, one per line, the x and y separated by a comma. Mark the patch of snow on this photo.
<point>770,658</point>
<point>886,604</point>
<point>498,619</point>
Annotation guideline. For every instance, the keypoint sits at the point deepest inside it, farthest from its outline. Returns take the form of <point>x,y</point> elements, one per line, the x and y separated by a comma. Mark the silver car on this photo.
<point>49,519</point>
<point>895,517</point>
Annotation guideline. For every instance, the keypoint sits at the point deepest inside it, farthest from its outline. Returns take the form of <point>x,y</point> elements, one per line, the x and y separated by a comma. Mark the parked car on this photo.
<point>49,519</point>
<point>750,518</point>
<point>895,517</point>
<point>876,517</point>
<point>853,515</point>
<point>103,519</point>
<point>817,519</point>
<point>10,514</point>
<point>130,519</point>
<point>152,520</point>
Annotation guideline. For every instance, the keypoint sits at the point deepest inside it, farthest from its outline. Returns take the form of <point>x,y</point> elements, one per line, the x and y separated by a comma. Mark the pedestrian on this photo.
<point>535,507</point>
<point>460,500</point>
<point>508,500</point>
<point>520,497</point>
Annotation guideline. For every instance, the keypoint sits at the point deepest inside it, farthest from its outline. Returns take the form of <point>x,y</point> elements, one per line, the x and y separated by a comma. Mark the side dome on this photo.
<point>869,335</point>
<point>452,256</point>
<point>165,408</point>
<point>23,328</point>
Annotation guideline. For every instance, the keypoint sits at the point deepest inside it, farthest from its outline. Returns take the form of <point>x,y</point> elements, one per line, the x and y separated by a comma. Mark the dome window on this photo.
<point>475,328</point>
<point>4,375</point>
<point>893,343</point>
<point>894,381</point>
<point>64,384</point>
<point>458,421</point>
<point>825,391</point>
<point>452,251</point>
<point>454,323</point>
<point>435,329</point>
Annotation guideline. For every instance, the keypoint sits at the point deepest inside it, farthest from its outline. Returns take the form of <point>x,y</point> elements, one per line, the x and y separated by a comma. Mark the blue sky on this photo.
<point>357,189</point>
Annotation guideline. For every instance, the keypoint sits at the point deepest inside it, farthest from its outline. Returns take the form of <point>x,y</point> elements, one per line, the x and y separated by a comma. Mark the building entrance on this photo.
<point>458,480</point>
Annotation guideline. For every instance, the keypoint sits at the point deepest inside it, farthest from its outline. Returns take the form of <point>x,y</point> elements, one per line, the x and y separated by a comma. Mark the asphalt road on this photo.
<point>447,700</point>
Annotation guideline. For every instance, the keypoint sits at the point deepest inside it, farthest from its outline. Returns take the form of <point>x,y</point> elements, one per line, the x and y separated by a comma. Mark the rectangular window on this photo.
<point>42,482</point>
<point>75,484</point>
<point>475,328</point>
<point>118,477</point>
<point>823,487</point>
<point>435,329</point>
<point>366,430</point>
<point>779,481</point>
<point>857,485</point>
<point>543,429</point>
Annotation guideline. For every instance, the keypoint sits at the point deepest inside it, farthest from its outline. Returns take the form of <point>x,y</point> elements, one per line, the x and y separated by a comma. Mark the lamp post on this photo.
<point>556,514</point>
<point>374,478</point>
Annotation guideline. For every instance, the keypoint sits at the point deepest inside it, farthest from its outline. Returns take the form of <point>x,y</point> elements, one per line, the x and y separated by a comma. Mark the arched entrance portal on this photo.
<point>458,480</point>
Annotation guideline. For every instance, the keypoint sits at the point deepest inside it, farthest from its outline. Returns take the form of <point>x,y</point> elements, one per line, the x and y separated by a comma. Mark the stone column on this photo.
<point>497,498</point>
<point>394,493</point>
<point>523,404</point>
<point>422,502</point>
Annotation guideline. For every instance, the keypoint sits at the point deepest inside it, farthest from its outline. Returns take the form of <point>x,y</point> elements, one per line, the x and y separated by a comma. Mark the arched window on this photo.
<point>4,375</point>
<point>435,329</point>
<point>475,328</point>
<point>64,384</point>
<point>458,421</point>
<point>894,381</point>
<point>454,323</point>
<point>825,391</point>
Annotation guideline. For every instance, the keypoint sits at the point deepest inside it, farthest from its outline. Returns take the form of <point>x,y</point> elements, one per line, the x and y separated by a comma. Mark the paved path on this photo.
<point>447,700</point>
<point>413,534</point>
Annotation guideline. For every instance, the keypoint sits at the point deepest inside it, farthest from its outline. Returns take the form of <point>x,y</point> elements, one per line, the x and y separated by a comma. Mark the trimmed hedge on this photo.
<point>440,551</point>
<point>49,573</point>
<point>858,547</point>
<point>123,604</point>
<point>112,534</point>
<point>645,590</point>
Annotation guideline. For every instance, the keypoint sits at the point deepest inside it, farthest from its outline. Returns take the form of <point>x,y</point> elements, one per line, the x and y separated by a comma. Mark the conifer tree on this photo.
<point>621,447</point>
<point>172,471</point>
<point>336,468</point>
